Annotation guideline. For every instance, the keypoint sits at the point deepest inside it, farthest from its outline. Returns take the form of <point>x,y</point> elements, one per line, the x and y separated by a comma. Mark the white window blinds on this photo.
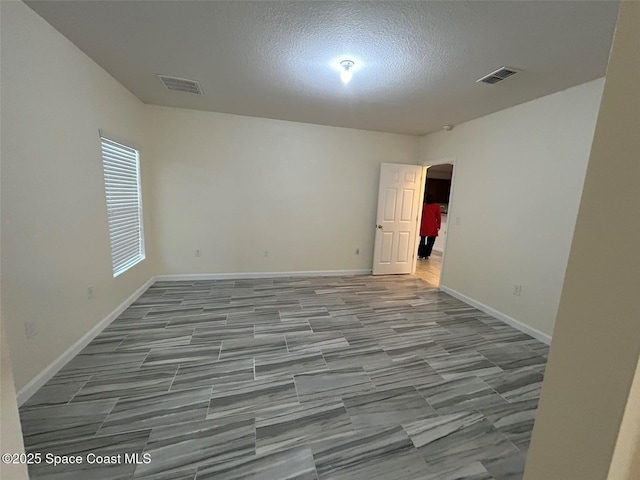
<point>124,204</point>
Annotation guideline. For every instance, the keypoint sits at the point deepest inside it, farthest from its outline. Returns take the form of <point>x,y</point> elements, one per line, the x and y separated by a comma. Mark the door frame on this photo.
<point>425,166</point>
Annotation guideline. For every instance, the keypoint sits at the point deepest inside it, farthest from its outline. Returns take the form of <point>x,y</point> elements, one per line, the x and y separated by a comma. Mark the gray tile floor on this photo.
<point>293,378</point>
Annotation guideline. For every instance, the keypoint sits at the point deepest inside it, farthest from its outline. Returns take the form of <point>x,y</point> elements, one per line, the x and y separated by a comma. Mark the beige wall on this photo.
<point>596,341</point>
<point>11,431</point>
<point>518,179</point>
<point>54,224</point>
<point>11,440</point>
<point>233,187</point>
<point>626,456</point>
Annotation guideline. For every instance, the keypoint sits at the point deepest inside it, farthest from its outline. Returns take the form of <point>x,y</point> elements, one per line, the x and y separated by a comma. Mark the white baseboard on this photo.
<point>43,377</point>
<point>233,276</point>
<point>537,334</point>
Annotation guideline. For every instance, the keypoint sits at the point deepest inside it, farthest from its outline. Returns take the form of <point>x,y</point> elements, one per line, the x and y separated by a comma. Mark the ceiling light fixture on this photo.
<point>346,73</point>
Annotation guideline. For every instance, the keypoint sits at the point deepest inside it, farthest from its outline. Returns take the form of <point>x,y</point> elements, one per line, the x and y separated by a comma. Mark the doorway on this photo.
<point>438,180</point>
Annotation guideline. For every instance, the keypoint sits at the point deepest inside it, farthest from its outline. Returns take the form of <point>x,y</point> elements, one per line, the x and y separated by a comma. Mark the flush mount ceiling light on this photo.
<point>346,73</point>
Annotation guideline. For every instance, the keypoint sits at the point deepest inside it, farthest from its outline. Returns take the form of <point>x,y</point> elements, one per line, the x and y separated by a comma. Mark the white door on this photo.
<point>397,220</point>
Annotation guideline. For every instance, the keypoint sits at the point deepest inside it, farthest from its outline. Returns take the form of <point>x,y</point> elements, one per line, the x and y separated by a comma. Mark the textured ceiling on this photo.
<point>416,62</point>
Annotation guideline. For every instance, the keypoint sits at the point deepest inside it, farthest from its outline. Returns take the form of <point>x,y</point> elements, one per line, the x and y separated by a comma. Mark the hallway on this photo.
<point>429,270</point>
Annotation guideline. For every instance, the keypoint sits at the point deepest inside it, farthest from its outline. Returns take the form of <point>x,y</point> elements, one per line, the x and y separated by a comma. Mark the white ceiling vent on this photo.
<point>498,75</point>
<point>181,84</point>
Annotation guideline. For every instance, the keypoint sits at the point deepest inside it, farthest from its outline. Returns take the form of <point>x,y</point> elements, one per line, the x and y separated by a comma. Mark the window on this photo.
<point>124,204</point>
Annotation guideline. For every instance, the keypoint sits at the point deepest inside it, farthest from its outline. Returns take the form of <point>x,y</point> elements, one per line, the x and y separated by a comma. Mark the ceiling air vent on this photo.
<point>181,84</point>
<point>498,75</point>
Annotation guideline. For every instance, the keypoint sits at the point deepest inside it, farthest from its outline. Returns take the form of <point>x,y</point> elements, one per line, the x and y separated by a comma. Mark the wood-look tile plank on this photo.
<point>370,453</point>
<point>462,364</point>
<point>509,468</point>
<point>202,320</point>
<point>335,324</point>
<point>213,335</point>
<point>460,395</point>
<point>183,354</point>
<point>514,421</point>
<point>249,348</point>
<point>280,428</point>
<point>512,357</point>
<point>170,337</point>
<point>449,441</point>
<point>469,471</point>
<point>315,342</point>
<point>125,384</point>
<point>109,446</point>
<point>516,385</point>
<point>294,464</point>
<point>361,355</point>
<point>103,363</point>
<point>332,383</point>
<point>194,445</point>
<point>274,365</point>
<point>156,410</point>
<point>243,400</point>
<point>410,371</point>
<point>290,327</point>
<point>45,425</point>
<point>57,391</point>
<point>387,407</point>
<point>211,374</point>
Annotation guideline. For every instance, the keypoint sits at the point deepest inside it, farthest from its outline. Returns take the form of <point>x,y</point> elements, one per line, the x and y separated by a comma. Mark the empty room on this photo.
<point>213,243</point>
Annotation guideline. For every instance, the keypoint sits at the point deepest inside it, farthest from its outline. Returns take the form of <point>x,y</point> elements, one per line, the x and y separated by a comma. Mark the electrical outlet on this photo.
<point>357,251</point>
<point>517,289</point>
<point>89,293</point>
<point>198,253</point>
<point>30,329</point>
<point>266,253</point>
<point>457,220</point>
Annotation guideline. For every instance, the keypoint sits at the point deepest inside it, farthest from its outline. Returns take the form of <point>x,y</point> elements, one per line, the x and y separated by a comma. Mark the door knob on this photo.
<point>379,227</point>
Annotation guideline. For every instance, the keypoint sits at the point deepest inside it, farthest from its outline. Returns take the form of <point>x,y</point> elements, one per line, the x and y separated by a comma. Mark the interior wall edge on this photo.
<point>523,327</point>
<point>45,375</point>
